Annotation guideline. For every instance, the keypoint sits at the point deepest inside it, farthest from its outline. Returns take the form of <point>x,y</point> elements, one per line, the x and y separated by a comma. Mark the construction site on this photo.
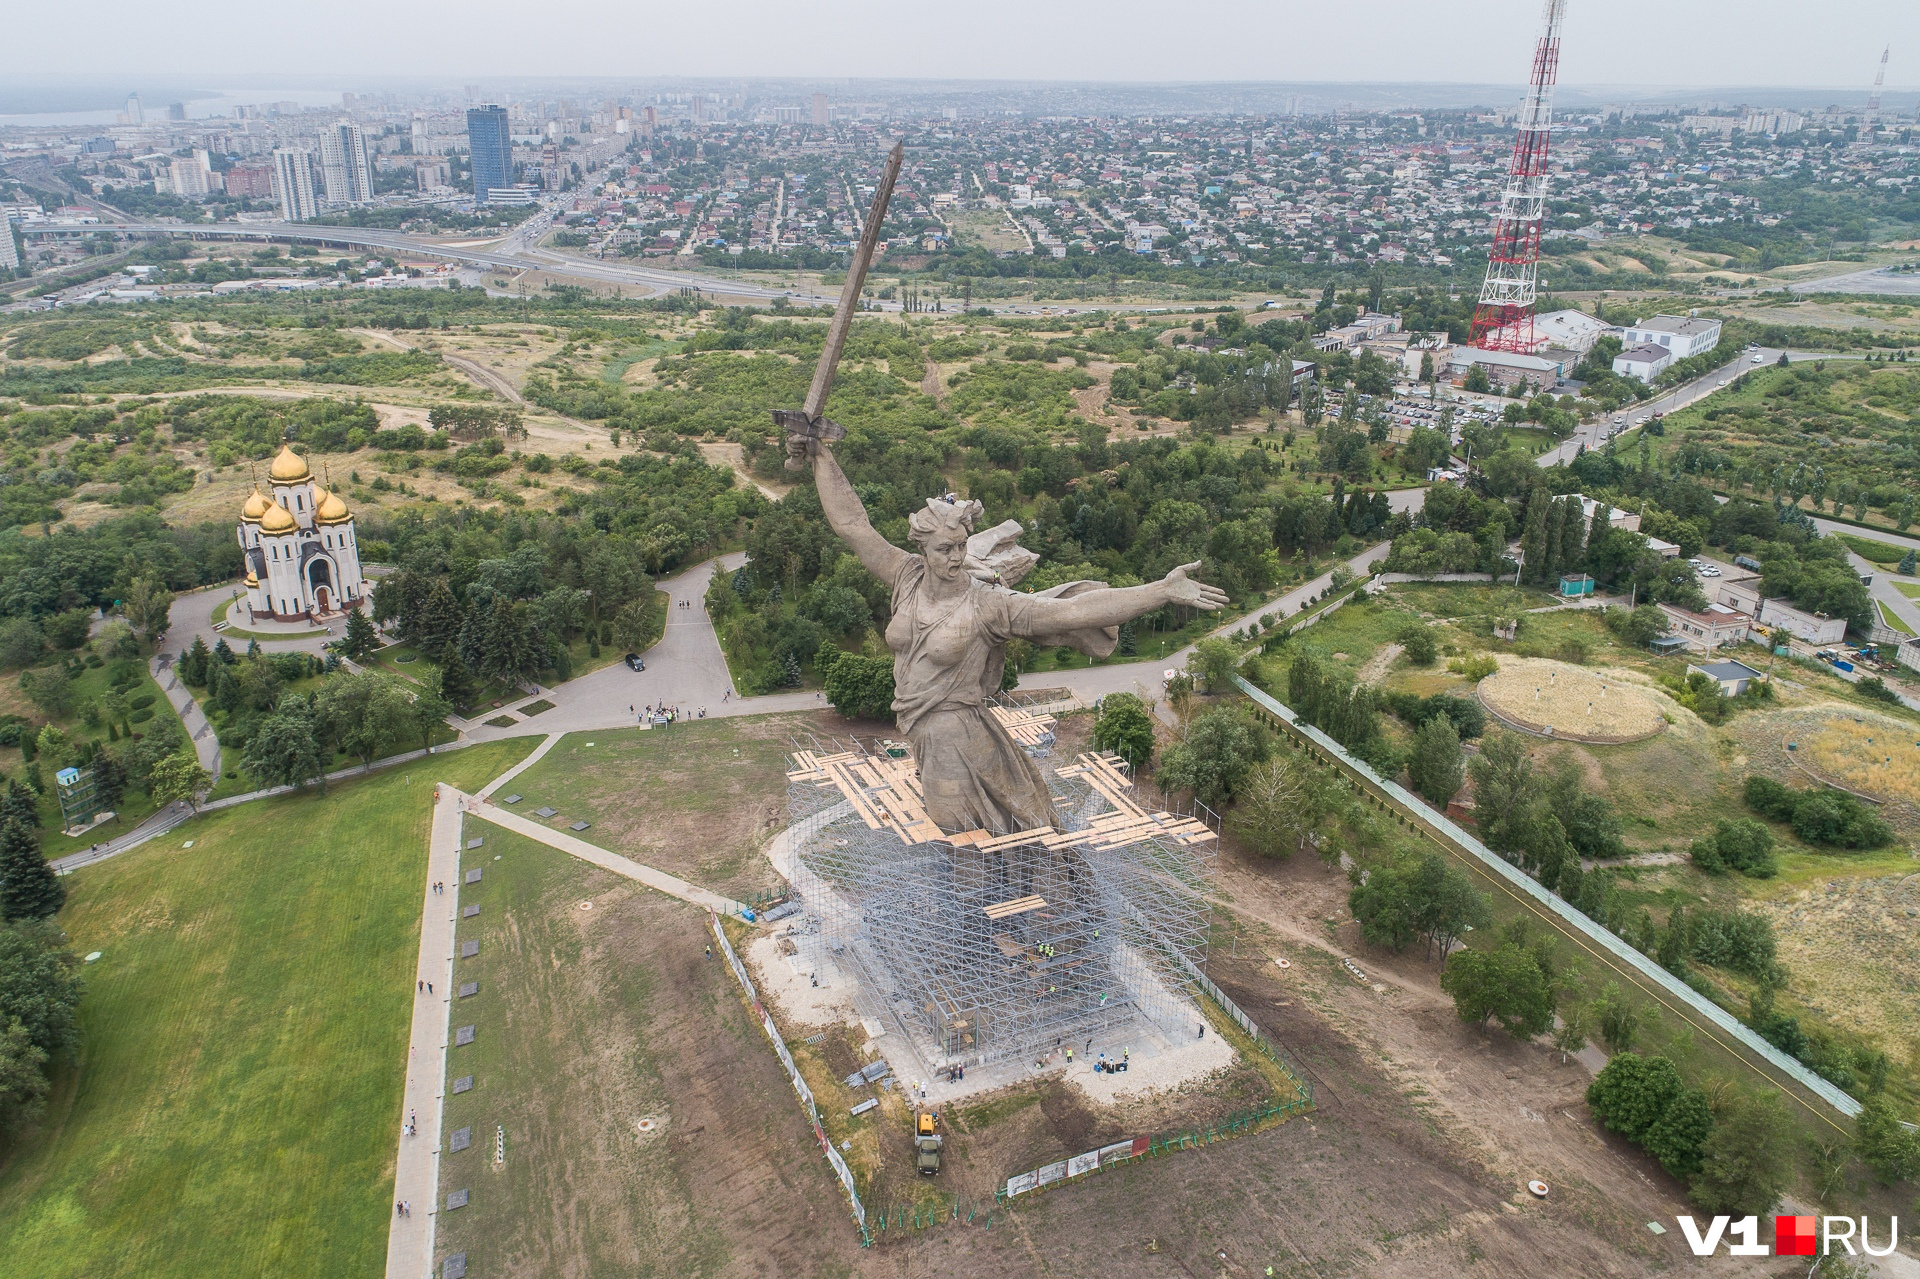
<point>984,948</point>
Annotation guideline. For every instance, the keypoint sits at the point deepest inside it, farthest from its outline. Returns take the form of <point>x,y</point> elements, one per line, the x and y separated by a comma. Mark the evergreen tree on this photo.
<point>109,779</point>
<point>193,663</point>
<point>1553,540</point>
<point>438,622</point>
<point>1907,565</point>
<point>1602,520</point>
<point>360,639</point>
<point>28,887</point>
<point>1533,536</point>
<point>20,805</point>
<point>224,653</point>
<point>1572,538</point>
<point>1436,766</point>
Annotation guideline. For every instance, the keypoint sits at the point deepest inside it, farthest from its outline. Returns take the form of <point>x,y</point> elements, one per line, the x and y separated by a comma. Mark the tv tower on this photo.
<point>1503,321</point>
<point>1879,82</point>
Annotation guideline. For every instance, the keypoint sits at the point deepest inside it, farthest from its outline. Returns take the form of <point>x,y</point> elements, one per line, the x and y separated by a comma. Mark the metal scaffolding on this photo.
<point>994,947</point>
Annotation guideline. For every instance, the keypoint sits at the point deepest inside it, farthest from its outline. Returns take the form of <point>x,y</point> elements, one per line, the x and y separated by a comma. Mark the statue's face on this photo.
<point>946,554</point>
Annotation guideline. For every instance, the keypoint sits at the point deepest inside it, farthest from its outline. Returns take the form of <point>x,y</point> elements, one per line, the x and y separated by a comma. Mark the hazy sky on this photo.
<point>1681,42</point>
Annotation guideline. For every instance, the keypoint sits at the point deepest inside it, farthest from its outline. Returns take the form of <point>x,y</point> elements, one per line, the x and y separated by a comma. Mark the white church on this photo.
<point>303,561</point>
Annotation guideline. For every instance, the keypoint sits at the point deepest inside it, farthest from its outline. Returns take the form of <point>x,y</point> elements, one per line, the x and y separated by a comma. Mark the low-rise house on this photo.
<point>1732,677</point>
<point>1718,627</point>
<point>1814,628</point>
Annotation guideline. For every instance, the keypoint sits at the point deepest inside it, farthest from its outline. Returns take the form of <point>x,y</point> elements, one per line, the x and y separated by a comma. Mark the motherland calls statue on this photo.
<point>952,611</point>
<point>952,617</point>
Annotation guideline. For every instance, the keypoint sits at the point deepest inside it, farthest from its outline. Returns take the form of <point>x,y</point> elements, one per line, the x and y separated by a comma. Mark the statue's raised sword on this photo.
<point>803,427</point>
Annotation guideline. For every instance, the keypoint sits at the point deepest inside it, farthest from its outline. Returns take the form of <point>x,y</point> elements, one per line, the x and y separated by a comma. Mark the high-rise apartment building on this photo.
<point>822,114</point>
<point>293,184</point>
<point>490,146</point>
<point>9,251</point>
<point>192,177</point>
<point>344,166</point>
<point>250,180</point>
<point>135,115</point>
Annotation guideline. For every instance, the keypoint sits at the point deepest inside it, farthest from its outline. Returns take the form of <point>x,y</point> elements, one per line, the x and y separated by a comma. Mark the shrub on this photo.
<point>140,716</point>
<point>1125,728</point>
<point>1421,647</point>
<point>1744,845</point>
<point>141,702</point>
<point>1644,1100</point>
<point>1476,667</point>
<point>1820,816</point>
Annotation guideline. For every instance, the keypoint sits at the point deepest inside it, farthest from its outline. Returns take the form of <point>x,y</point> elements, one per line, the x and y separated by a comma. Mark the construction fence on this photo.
<point>1717,1023</point>
<point>839,1165</point>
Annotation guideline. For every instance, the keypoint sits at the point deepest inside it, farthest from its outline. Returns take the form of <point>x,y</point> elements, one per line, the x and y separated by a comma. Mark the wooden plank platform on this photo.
<point>1017,906</point>
<point>885,793</point>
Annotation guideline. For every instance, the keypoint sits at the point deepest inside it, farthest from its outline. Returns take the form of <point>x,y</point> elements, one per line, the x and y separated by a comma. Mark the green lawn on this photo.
<point>1909,589</point>
<point>238,1095</point>
<point>1891,618</point>
<point>1873,549</point>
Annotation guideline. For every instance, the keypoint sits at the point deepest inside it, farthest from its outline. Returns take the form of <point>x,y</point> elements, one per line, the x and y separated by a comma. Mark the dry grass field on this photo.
<point>1571,701</point>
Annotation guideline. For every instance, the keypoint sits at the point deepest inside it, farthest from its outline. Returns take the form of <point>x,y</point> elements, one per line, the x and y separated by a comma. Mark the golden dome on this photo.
<point>278,519</point>
<point>329,509</point>
<point>255,508</point>
<point>251,579</point>
<point>288,467</point>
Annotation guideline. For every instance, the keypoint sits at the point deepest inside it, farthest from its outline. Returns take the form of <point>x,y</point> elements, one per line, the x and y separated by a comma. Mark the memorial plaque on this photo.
<point>463,1036</point>
<point>468,949</point>
<point>462,1138</point>
<point>463,1084</point>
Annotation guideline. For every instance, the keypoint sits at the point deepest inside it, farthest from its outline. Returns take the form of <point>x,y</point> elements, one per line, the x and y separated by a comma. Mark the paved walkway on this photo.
<point>192,617</point>
<point>671,885</point>
<point>417,1169</point>
<point>206,744</point>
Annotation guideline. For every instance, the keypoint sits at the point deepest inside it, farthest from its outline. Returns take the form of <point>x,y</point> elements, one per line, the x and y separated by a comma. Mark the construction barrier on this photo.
<point>839,1165</point>
<point>1678,997</point>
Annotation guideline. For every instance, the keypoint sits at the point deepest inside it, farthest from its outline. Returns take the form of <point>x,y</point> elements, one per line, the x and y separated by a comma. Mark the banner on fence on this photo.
<point>1124,1149</point>
<point>1052,1173</point>
<point>834,1160</point>
<point>1084,1163</point>
<point>1022,1184</point>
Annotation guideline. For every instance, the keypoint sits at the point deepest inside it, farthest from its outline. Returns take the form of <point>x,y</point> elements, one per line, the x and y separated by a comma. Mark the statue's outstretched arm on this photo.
<point>1116,604</point>
<point>848,517</point>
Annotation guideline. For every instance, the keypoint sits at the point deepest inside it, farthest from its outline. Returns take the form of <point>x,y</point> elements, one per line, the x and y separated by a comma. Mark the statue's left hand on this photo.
<point>1182,589</point>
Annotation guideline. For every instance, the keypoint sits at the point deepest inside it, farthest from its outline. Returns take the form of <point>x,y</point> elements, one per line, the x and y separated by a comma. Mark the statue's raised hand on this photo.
<point>1182,589</point>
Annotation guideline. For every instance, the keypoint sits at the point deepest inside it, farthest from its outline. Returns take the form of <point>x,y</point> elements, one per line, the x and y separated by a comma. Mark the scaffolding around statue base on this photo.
<point>996,947</point>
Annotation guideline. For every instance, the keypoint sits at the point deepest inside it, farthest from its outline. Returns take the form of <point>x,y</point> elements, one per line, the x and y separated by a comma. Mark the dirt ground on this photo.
<point>1413,1164</point>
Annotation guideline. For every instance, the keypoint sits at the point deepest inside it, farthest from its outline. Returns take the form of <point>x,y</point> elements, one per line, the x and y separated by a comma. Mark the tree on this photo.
<point>1220,748</point>
<point>146,605</point>
<point>1448,905</point>
<point>178,778</point>
<point>430,706</point>
<point>858,687</point>
<point>1907,567</point>
<point>21,642</point>
<point>1477,381</point>
<point>1437,767</point>
<point>1385,907</point>
<point>1618,1019</point>
<point>40,988</point>
<point>360,638</point>
<point>51,690</point>
<point>1571,1035</point>
<point>109,779</point>
<point>1502,790</point>
<point>366,714</point>
<point>1281,805</point>
<point>1216,661</point>
<point>1505,983</point>
<point>19,805</point>
<point>1421,647</point>
<point>436,626</point>
<point>1125,728</point>
<point>1885,1144</point>
<point>1644,1100</point>
<point>28,887</point>
<point>1747,1158</point>
<point>68,630</point>
<point>193,664</point>
<point>633,627</point>
<point>284,750</point>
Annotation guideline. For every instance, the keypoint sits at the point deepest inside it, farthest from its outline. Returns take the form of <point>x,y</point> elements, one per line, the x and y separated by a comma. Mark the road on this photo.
<point>1592,434</point>
<point>1876,280</point>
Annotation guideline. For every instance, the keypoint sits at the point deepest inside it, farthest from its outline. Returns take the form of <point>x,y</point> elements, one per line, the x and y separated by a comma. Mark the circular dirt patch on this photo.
<point>1558,699</point>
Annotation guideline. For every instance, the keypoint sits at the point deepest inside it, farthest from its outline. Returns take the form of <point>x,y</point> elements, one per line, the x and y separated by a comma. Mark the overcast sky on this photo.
<point>1682,42</point>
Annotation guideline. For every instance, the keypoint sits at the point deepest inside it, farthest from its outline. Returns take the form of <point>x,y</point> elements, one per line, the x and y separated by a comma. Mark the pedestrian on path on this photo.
<point>429,988</point>
<point>419,985</point>
<point>709,950</point>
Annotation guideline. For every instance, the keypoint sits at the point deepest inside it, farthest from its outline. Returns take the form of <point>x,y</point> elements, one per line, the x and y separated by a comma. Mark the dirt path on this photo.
<point>1376,666</point>
<point>727,454</point>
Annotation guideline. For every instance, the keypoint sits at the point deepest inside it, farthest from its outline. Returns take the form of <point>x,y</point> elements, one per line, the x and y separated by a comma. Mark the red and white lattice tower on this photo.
<point>1504,319</point>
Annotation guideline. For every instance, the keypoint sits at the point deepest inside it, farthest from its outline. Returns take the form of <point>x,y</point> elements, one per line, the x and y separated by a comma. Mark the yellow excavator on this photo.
<point>926,1143</point>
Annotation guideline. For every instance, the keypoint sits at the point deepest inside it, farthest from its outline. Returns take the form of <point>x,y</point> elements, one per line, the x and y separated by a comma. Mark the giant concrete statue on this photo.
<point>952,611</point>
<point>952,618</point>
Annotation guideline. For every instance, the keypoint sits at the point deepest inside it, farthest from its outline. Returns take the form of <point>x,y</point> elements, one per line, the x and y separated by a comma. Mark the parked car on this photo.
<point>634,663</point>
<point>1757,359</point>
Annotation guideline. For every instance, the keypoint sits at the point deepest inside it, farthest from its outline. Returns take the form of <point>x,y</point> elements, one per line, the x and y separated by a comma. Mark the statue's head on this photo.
<point>941,530</point>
